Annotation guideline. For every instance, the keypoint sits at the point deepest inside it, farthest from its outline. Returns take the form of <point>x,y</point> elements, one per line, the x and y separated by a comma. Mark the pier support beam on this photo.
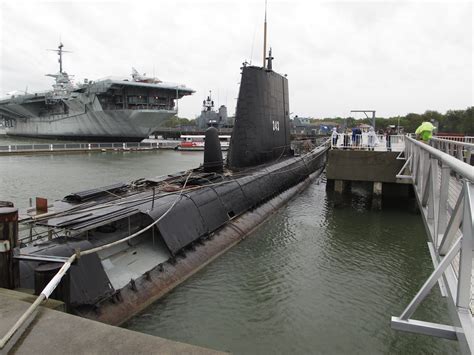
<point>377,196</point>
<point>341,185</point>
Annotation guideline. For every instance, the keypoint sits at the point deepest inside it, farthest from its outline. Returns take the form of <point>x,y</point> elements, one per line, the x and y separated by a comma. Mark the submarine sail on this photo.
<point>262,123</point>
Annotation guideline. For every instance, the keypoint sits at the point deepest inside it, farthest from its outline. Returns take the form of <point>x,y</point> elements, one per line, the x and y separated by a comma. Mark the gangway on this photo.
<point>443,181</point>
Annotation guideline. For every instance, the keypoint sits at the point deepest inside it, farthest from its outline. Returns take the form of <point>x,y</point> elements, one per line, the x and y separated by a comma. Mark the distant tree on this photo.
<point>453,121</point>
<point>350,122</point>
<point>176,121</point>
<point>468,121</point>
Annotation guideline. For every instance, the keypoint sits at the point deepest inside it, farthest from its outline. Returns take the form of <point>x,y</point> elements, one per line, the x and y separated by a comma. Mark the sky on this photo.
<point>393,57</point>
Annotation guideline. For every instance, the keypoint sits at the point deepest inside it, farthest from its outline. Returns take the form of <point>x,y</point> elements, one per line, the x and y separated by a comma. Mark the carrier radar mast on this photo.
<point>60,52</point>
<point>265,36</point>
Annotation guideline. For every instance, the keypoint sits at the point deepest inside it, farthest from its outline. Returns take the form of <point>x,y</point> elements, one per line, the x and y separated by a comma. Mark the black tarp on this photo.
<point>89,282</point>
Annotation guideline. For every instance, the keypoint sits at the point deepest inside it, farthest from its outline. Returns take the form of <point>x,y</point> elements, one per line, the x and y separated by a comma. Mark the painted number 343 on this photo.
<point>276,125</point>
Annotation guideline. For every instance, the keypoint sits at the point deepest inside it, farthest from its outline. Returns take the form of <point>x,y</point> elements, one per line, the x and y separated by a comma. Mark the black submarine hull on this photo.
<point>199,251</point>
<point>191,224</point>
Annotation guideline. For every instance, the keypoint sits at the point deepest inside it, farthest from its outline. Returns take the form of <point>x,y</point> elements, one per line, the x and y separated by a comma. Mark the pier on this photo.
<point>55,332</point>
<point>442,178</point>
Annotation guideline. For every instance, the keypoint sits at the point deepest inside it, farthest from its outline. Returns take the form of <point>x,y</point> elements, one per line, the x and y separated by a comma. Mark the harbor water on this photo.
<point>321,276</point>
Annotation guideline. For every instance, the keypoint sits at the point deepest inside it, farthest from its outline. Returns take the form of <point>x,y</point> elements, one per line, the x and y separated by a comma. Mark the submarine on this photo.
<point>133,242</point>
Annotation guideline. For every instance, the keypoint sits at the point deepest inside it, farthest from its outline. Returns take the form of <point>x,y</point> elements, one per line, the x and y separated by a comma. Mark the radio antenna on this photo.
<point>265,35</point>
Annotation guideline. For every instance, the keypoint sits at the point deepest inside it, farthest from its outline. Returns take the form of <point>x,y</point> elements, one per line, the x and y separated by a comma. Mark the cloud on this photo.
<point>390,56</point>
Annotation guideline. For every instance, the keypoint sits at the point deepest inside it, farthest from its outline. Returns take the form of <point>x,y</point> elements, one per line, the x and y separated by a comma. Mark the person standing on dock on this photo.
<point>389,133</point>
<point>372,139</point>
<point>334,137</point>
<point>356,136</point>
<point>425,131</point>
<point>347,139</point>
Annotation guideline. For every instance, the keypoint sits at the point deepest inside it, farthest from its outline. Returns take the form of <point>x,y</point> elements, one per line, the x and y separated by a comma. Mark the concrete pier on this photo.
<point>363,165</point>
<point>53,332</point>
<point>378,167</point>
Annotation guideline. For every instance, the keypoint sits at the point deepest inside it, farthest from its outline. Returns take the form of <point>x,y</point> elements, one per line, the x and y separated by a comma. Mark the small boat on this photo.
<point>196,142</point>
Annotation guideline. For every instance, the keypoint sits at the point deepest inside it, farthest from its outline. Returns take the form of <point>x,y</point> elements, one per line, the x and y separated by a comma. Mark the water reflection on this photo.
<point>315,278</point>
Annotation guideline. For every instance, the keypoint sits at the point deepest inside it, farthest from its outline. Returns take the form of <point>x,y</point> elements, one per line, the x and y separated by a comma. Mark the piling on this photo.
<point>341,186</point>
<point>377,196</point>
<point>9,267</point>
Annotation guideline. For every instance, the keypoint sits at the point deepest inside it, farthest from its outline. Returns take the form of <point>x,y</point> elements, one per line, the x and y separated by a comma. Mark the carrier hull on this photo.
<point>112,125</point>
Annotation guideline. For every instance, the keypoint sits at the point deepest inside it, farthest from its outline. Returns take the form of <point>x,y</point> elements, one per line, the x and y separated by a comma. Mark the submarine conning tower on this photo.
<point>262,125</point>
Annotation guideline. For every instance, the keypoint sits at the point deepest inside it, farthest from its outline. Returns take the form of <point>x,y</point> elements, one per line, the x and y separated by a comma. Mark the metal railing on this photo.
<point>465,139</point>
<point>459,149</point>
<point>444,188</point>
<point>363,141</point>
<point>56,147</point>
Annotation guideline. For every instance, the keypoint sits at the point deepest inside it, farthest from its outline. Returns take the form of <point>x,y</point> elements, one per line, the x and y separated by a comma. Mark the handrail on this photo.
<point>457,166</point>
<point>449,141</point>
<point>466,139</point>
<point>444,190</point>
<point>363,141</point>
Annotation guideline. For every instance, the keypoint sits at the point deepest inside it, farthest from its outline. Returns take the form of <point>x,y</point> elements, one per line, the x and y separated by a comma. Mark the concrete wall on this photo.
<point>354,165</point>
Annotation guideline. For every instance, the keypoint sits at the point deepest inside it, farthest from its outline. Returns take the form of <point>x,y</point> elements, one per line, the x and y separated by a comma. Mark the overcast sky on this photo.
<point>394,57</point>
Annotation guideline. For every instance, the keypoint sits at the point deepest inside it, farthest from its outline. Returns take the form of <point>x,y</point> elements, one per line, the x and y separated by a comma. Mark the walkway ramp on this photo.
<point>443,181</point>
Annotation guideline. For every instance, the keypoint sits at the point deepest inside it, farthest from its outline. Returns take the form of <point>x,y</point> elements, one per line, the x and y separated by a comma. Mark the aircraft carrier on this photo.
<point>111,109</point>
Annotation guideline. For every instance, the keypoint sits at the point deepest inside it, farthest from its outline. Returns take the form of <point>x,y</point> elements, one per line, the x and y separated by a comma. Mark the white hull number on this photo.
<point>276,126</point>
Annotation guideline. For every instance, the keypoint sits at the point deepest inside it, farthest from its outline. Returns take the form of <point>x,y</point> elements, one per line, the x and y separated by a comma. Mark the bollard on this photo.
<point>44,274</point>
<point>9,268</point>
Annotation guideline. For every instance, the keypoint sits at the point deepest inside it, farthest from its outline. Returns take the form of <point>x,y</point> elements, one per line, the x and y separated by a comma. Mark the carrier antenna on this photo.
<point>265,35</point>
<point>60,52</point>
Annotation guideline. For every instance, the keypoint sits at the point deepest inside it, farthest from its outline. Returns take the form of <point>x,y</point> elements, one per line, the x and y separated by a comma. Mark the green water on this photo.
<point>54,176</point>
<point>316,278</point>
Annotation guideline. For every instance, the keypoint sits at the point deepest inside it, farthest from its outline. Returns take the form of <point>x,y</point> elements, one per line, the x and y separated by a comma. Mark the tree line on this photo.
<point>453,121</point>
